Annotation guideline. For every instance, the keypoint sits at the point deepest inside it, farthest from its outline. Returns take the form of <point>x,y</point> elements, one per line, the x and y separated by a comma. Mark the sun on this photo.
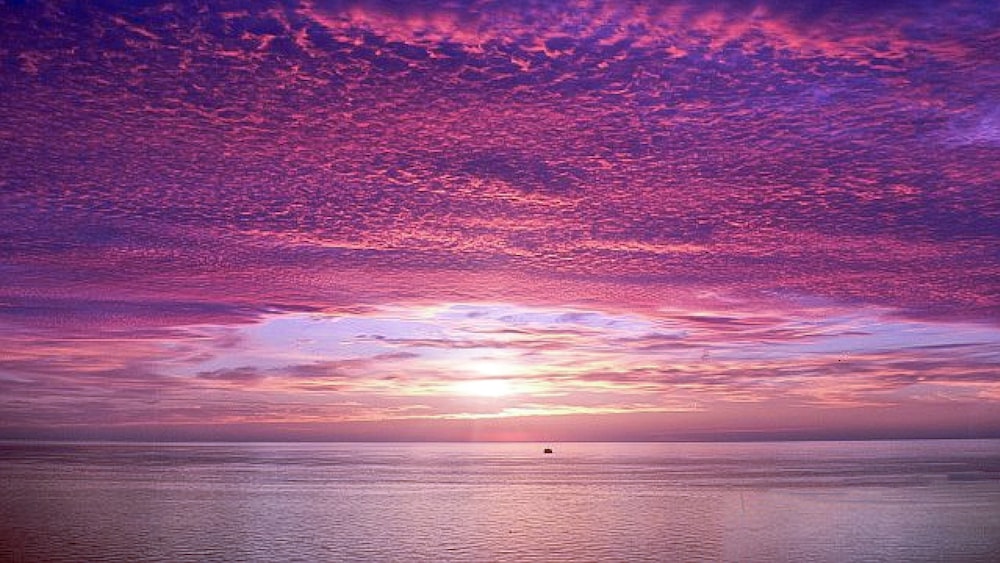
<point>484,387</point>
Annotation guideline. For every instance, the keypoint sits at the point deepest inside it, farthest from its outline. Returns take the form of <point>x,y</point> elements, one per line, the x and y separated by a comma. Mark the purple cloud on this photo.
<point>738,178</point>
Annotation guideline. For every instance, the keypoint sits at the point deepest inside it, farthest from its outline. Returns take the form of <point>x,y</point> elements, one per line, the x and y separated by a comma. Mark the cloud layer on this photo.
<point>787,203</point>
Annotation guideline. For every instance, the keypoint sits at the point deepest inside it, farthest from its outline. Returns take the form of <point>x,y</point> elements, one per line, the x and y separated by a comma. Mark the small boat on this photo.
<point>547,451</point>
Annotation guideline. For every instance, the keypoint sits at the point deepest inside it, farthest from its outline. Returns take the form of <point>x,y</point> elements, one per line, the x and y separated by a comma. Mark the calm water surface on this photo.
<point>819,501</point>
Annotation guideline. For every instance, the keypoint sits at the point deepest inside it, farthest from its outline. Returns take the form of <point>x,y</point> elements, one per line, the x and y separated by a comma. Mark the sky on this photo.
<point>499,220</point>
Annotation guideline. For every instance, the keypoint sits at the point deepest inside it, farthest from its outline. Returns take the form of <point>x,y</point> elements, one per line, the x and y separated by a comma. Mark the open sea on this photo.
<point>790,501</point>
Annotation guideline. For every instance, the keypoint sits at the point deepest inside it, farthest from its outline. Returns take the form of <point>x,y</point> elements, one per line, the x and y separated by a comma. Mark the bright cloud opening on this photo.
<point>484,388</point>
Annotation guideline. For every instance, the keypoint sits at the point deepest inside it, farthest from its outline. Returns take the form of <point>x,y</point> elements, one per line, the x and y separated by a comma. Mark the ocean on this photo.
<point>791,501</point>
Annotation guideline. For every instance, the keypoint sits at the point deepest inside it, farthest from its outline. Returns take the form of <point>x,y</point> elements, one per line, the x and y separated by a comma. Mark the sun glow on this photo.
<point>484,387</point>
<point>493,368</point>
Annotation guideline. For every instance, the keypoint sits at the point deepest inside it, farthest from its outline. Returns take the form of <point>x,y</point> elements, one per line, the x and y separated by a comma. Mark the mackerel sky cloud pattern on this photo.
<point>647,220</point>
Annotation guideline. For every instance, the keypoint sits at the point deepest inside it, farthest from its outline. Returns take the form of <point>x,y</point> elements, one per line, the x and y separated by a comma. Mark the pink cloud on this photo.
<point>778,203</point>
